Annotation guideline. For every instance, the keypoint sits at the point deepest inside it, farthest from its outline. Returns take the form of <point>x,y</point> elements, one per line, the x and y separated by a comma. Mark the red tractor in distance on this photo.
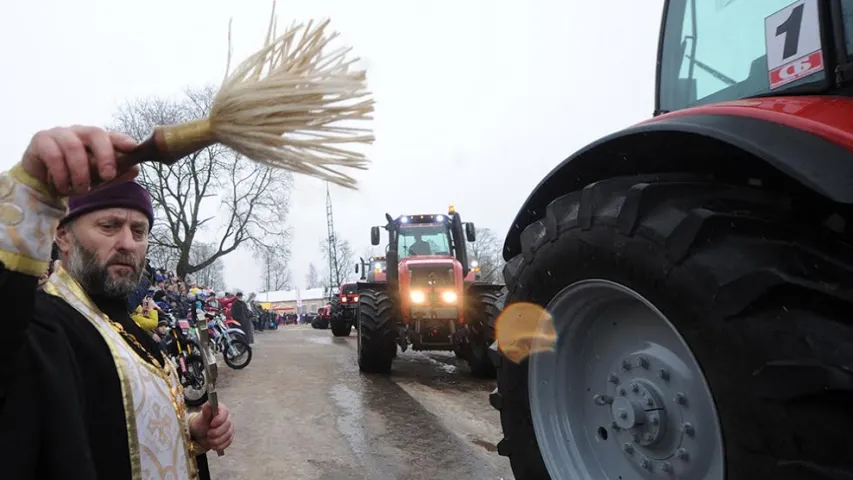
<point>342,310</point>
<point>424,300</point>
<point>690,279</point>
<point>372,270</point>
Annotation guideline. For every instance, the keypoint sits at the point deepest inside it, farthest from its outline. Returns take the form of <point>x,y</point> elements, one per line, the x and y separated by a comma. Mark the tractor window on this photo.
<point>420,239</point>
<point>715,50</point>
<point>348,289</point>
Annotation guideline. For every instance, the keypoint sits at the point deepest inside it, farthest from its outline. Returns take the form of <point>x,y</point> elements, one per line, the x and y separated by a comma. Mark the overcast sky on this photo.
<point>477,100</point>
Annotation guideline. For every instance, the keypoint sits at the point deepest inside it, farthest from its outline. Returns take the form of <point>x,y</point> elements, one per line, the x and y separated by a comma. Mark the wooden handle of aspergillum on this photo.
<point>166,145</point>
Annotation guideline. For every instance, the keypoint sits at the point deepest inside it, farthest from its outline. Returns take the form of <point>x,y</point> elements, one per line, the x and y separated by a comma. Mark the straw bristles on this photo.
<point>284,105</point>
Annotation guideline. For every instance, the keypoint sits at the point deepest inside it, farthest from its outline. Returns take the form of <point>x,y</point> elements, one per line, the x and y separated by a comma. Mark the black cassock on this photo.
<point>61,409</point>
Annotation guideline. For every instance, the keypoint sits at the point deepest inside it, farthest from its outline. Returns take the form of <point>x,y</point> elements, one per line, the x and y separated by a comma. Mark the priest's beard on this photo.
<point>95,278</point>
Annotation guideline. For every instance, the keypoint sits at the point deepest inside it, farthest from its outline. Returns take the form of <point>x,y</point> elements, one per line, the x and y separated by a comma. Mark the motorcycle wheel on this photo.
<point>239,361</point>
<point>194,397</point>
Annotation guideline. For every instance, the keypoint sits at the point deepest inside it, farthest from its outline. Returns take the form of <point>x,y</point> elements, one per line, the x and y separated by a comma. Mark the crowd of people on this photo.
<point>162,291</point>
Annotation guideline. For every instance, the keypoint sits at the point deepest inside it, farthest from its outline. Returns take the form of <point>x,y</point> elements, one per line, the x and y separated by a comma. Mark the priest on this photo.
<point>84,392</point>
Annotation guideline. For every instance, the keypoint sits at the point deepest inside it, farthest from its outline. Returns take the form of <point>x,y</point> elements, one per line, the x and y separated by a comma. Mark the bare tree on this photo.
<point>486,250</point>
<point>249,200</point>
<point>162,257</point>
<point>344,264</point>
<point>212,275</point>
<point>275,267</point>
<point>312,279</point>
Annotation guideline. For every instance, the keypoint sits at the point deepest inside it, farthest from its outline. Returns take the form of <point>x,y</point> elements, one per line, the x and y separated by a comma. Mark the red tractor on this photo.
<point>424,301</point>
<point>342,310</point>
<point>373,270</point>
<point>690,279</point>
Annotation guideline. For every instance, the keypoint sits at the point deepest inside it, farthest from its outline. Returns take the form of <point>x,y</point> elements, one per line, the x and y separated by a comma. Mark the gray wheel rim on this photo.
<point>621,396</point>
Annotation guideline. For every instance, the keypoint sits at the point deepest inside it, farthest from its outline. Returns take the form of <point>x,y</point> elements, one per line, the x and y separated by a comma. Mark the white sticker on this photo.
<point>794,49</point>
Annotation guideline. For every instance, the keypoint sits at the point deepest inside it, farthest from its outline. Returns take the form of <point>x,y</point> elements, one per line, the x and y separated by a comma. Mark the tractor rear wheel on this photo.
<point>702,332</point>
<point>482,311</point>
<point>377,332</point>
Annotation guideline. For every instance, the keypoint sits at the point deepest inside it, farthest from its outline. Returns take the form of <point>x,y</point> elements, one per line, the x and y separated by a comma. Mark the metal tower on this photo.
<point>334,268</point>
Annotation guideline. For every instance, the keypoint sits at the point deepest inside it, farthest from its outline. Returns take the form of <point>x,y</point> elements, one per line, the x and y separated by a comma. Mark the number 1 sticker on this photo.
<point>794,48</point>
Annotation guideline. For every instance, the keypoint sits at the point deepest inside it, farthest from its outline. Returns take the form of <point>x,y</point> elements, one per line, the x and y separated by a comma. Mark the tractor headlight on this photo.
<point>355,298</point>
<point>417,296</point>
<point>449,297</point>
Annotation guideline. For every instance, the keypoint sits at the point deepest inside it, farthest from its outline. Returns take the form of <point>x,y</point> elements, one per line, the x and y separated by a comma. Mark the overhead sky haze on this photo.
<point>477,100</point>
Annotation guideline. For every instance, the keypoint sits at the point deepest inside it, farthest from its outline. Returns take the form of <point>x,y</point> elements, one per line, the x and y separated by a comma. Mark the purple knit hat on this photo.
<point>115,195</point>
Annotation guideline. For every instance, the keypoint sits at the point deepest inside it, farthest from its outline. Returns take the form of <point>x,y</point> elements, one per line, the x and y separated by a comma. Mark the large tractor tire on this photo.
<point>703,332</point>
<point>341,326</point>
<point>377,332</point>
<point>482,310</point>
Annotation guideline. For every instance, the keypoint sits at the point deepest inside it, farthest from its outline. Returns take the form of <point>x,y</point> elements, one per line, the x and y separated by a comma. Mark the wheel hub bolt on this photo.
<point>654,419</point>
<point>626,364</point>
<point>650,402</point>
<point>646,464</point>
<point>663,374</point>
<point>602,399</point>
<point>680,398</point>
<point>612,378</point>
<point>635,388</point>
<point>623,414</point>
<point>648,437</point>
<point>643,362</point>
<point>688,429</point>
<point>666,467</point>
<point>621,391</point>
<point>682,454</point>
<point>628,448</point>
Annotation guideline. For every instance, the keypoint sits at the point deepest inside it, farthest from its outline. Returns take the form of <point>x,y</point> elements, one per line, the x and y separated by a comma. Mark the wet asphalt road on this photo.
<point>303,411</point>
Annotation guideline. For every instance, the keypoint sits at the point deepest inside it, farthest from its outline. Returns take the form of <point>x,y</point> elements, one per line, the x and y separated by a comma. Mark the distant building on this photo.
<point>285,301</point>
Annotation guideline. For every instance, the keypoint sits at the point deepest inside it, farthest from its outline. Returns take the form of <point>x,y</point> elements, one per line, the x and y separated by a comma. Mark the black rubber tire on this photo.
<point>199,360</point>
<point>748,278</point>
<point>482,310</point>
<point>239,366</point>
<point>377,333</point>
<point>341,327</point>
<point>319,323</point>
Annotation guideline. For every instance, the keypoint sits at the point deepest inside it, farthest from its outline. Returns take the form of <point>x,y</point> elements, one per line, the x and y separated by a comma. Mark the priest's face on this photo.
<point>105,250</point>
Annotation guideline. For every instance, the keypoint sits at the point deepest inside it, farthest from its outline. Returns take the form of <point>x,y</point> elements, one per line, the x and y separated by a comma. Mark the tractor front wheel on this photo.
<point>482,310</point>
<point>341,326</point>
<point>701,333</point>
<point>377,332</point>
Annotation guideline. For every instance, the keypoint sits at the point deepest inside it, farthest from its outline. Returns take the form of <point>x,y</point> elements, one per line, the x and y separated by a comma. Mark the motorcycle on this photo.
<point>231,342</point>
<point>184,353</point>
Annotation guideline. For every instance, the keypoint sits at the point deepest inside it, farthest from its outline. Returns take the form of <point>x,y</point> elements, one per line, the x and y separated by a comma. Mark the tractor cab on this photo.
<point>724,50</point>
<point>371,270</point>
<point>426,239</point>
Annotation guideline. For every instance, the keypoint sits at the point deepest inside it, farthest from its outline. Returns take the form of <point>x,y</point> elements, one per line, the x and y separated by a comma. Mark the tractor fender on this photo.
<point>796,142</point>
